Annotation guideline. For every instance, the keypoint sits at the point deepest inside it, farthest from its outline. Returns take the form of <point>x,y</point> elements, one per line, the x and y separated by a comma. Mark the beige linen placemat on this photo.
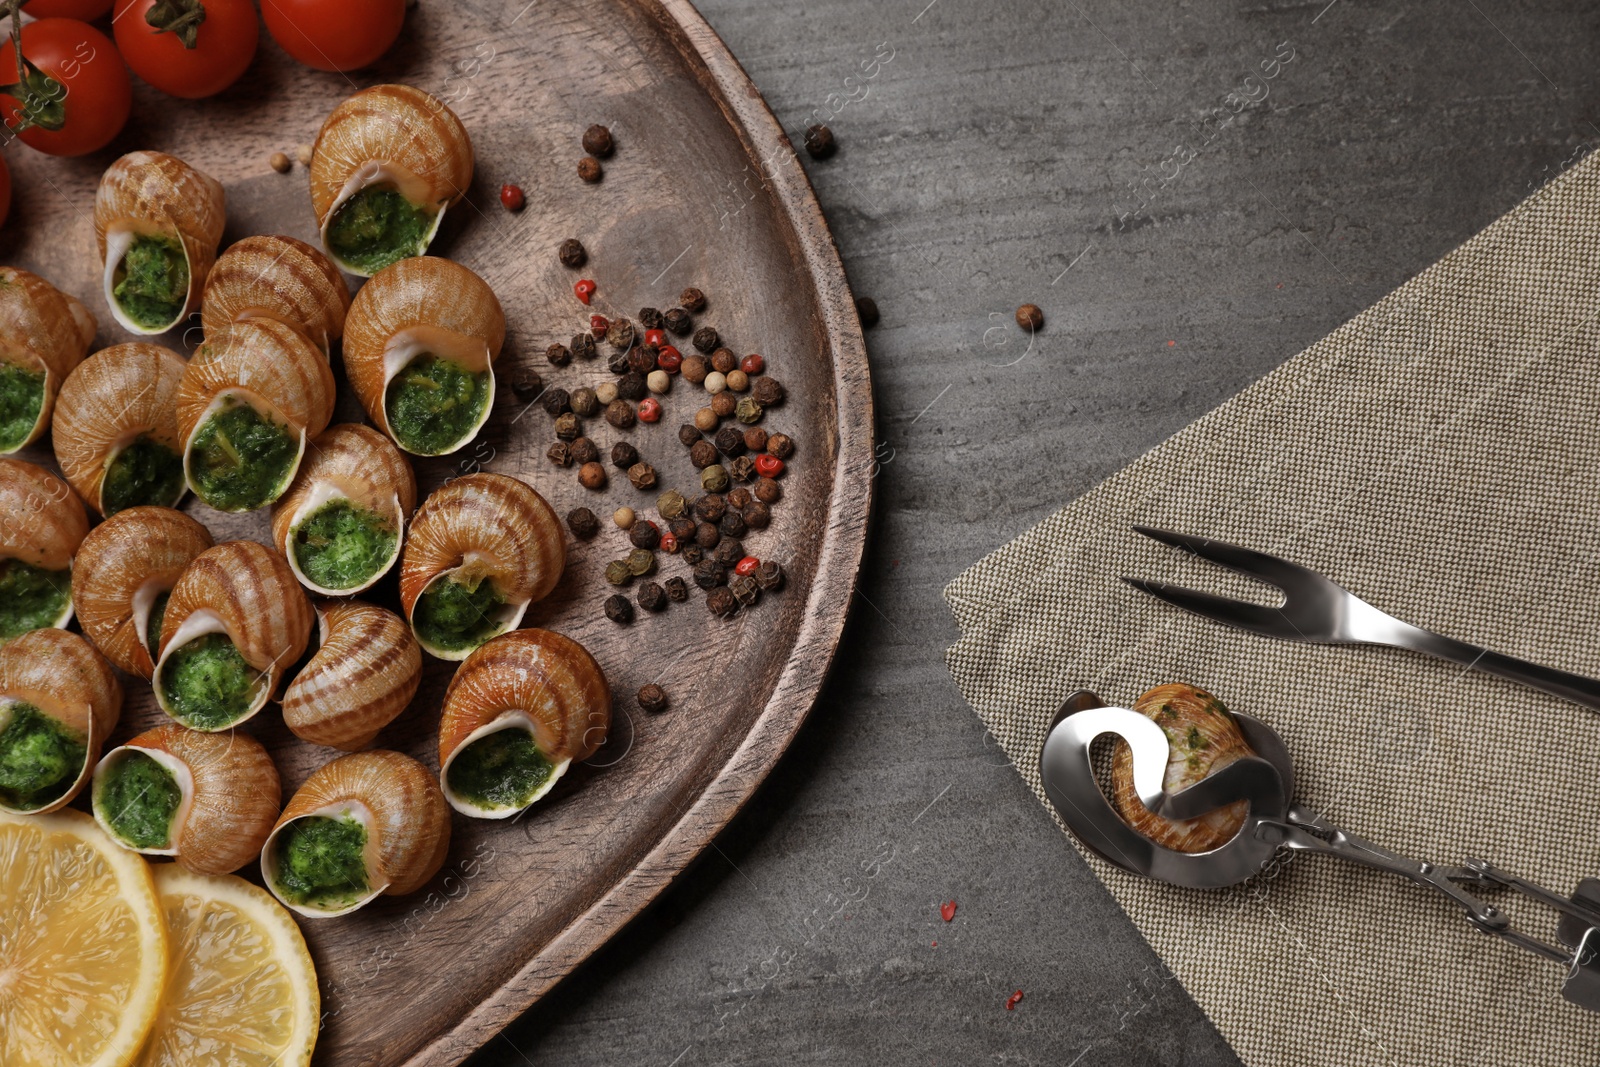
<point>1439,455</point>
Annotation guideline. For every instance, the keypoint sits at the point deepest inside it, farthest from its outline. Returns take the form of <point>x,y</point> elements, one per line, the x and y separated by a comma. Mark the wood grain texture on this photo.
<point>703,190</point>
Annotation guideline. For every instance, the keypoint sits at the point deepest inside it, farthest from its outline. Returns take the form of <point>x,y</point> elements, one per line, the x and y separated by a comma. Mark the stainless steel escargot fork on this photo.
<point>1317,610</point>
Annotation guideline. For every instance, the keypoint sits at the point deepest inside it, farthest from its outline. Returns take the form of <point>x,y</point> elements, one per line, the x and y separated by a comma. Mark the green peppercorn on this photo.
<point>749,409</point>
<point>641,561</point>
<point>670,505</point>
<point>714,479</point>
<point>584,402</point>
<point>617,572</point>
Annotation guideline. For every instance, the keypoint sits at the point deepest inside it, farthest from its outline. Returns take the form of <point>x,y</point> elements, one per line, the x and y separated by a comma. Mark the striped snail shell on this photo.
<point>41,526</point>
<point>275,277</point>
<point>365,672</point>
<point>59,701</point>
<point>44,333</point>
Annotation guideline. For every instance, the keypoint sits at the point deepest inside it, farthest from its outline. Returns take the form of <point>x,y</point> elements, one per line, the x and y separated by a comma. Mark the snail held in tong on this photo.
<point>480,550</point>
<point>206,800</point>
<point>274,277</point>
<point>123,576</point>
<point>419,347</point>
<point>386,165</point>
<point>341,522</point>
<point>518,712</point>
<point>1202,738</point>
<point>366,824</point>
<point>157,221</point>
<point>44,333</point>
<point>59,700</point>
<point>41,526</point>
<point>235,621</point>
<point>116,428</point>
<point>247,406</point>
<point>365,671</point>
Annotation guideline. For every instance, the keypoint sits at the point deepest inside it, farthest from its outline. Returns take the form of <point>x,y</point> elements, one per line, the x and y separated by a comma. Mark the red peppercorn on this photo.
<point>748,565</point>
<point>769,466</point>
<point>669,543</point>
<point>598,325</point>
<point>669,359</point>
<point>655,338</point>
<point>585,289</point>
<point>752,364</point>
<point>511,197</point>
<point>650,411</point>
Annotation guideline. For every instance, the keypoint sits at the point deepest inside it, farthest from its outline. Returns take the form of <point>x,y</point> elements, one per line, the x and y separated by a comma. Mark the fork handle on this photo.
<point>1574,687</point>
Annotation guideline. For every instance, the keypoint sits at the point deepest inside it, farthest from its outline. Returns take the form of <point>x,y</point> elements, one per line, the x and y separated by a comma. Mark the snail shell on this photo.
<point>276,278</point>
<point>1202,738</point>
<point>41,526</point>
<point>364,674</point>
<point>358,465</point>
<point>391,136</point>
<point>62,677</point>
<point>42,331</point>
<point>399,805</point>
<point>246,592</point>
<point>533,680</point>
<point>122,569</point>
<point>121,396</point>
<point>477,528</point>
<point>151,194</point>
<point>418,307</point>
<point>276,371</point>
<point>230,795</point>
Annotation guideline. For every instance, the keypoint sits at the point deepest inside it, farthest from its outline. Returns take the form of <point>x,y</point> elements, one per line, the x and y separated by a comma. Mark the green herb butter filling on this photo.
<point>152,626</point>
<point>145,472</point>
<point>40,759</point>
<point>21,400</point>
<point>377,227</point>
<point>503,769</point>
<point>138,798</point>
<point>433,405</point>
<point>451,615</point>
<point>240,459</point>
<point>31,598</point>
<point>151,285</point>
<point>207,683</point>
<point>320,862</point>
<point>342,545</point>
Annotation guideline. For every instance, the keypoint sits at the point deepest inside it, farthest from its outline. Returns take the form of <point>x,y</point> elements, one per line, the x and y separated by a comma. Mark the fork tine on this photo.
<point>1289,577</point>
<point>1270,622</point>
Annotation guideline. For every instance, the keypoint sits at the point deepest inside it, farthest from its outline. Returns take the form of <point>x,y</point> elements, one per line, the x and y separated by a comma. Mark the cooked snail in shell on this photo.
<point>157,221</point>
<point>419,347</point>
<point>386,164</point>
<point>518,712</point>
<point>247,406</point>
<point>41,526</point>
<point>116,428</point>
<point>480,550</point>
<point>206,800</point>
<point>365,824</point>
<point>1202,738</point>
<point>235,621</point>
<point>44,333</point>
<point>59,701</point>
<point>122,576</point>
<point>276,278</point>
<point>365,671</point>
<point>341,522</point>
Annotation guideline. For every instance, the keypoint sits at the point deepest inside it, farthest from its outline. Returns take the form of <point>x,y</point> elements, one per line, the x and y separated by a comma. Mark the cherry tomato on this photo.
<point>87,10</point>
<point>5,191</point>
<point>190,59</point>
<point>334,34</point>
<point>78,95</point>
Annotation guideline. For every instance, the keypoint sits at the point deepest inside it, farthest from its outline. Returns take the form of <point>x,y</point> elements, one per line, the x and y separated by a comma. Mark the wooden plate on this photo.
<point>704,190</point>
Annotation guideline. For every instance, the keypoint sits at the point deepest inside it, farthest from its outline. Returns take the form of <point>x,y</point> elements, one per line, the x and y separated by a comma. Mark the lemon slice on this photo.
<point>242,991</point>
<point>83,950</point>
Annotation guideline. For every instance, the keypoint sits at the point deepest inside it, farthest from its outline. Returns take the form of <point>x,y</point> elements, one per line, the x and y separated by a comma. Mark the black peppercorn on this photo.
<point>693,299</point>
<point>589,169</point>
<point>617,363</point>
<point>693,553</point>
<point>766,391</point>
<point>583,523</point>
<point>683,528</point>
<point>642,475</point>
<point>1030,318</point>
<point>743,469</point>
<point>652,698</point>
<point>584,450</point>
<point>620,414</point>
<point>780,445</point>
<point>567,426</point>
<point>624,455</point>
<point>688,434</point>
<point>819,142</point>
<point>597,141</point>
<point>641,561</point>
<point>583,346</point>
<point>620,334</point>
<point>867,311</point>
<point>632,386</point>
<point>619,609</point>
<point>705,340</point>
<point>642,360</point>
<point>678,322</point>
<point>708,574</point>
<point>571,253</point>
<point>555,401</point>
<point>744,589</point>
<point>592,476</point>
<point>767,491</point>
<point>560,454</point>
<point>651,319</point>
<point>644,534</point>
<point>703,454</point>
<point>558,354</point>
<point>757,515</point>
<point>730,441</point>
<point>733,525</point>
<point>617,572</point>
<point>720,602</point>
<point>584,402</point>
<point>527,386</point>
<point>729,551</point>
<point>706,535</point>
<point>755,438</point>
<point>710,507</point>
<point>769,575</point>
<point>677,589</point>
<point>652,597</point>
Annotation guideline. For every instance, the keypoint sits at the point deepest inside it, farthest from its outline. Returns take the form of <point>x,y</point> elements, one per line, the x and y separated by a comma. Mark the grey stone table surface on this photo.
<point>1077,155</point>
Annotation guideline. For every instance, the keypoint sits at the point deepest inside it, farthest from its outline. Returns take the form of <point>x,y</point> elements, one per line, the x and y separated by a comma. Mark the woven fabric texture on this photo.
<point>1439,456</point>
